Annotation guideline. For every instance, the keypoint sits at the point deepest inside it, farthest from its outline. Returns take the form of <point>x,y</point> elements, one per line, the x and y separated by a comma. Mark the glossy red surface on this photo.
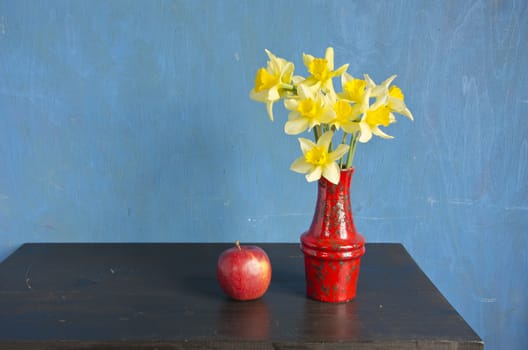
<point>244,272</point>
<point>332,247</point>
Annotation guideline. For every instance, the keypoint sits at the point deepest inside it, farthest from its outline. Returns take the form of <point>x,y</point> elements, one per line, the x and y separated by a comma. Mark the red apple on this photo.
<point>244,272</point>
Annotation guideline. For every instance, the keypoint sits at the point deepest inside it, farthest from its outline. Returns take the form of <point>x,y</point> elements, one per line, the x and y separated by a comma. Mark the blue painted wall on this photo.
<point>130,121</point>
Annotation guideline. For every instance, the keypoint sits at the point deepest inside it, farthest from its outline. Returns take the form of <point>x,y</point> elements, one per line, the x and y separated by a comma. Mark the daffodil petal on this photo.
<point>328,116</point>
<point>388,81</point>
<point>291,103</point>
<point>356,112</point>
<point>306,144</point>
<point>273,94</point>
<point>380,101</point>
<point>406,112</point>
<point>294,115</point>
<point>270,55</point>
<point>265,95</point>
<point>364,105</point>
<point>328,88</point>
<point>376,131</point>
<point>297,79</point>
<point>351,127</point>
<point>345,78</point>
<point>301,166</point>
<point>365,134</point>
<point>325,139</point>
<point>338,152</point>
<point>314,175</point>
<point>260,96</point>
<point>269,109</point>
<point>396,104</point>
<point>311,83</point>
<point>331,173</point>
<point>379,92</point>
<point>296,126</point>
<point>312,123</point>
<point>307,59</point>
<point>329,57</point>
<point>288,72</point>
<point>304,92</point>
<point>341,70</point>
<point>369,81</point>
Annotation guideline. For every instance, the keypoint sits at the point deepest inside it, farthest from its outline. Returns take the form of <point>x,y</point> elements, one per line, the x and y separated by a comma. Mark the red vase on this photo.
<point>332,247</point>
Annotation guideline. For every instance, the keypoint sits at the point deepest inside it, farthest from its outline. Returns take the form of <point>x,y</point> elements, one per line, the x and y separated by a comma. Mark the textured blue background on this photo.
<point>130,121</point>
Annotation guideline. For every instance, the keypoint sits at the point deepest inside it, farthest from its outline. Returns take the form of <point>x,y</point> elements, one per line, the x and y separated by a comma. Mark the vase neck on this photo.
<point>330,190</point>
<point>333,214</point>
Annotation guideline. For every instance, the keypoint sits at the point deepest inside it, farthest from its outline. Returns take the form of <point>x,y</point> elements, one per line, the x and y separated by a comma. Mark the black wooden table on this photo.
<point>165,296</point>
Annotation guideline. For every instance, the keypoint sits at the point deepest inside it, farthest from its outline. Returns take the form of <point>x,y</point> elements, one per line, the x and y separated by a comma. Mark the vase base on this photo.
<point>330,301</point>
<point>331,281</point>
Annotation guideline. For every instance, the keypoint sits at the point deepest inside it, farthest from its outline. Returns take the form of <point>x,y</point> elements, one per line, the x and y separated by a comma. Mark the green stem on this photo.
<point>316,133</point>
<point>352,150</point>
<point>343,141</point>
<point>327,129</point>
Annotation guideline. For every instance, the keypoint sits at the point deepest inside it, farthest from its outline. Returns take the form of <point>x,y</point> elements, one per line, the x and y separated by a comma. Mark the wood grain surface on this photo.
<point>165,296</point>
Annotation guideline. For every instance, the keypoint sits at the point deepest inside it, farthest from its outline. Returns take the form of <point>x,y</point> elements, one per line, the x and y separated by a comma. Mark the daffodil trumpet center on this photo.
<point>355,89</point>
<point>343,111</point>
<point>264,80</point>
<point>319,69</point>
<point>379,116</point>
<point>308,108</point>
<point>396,92</point>
<point>317,156</point>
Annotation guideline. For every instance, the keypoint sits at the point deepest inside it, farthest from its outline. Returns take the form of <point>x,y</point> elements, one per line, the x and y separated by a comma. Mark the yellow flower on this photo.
<point>345,116</point>
<point>392,97</point>
<point>322,71</point>
<point>272,83</point>
<point>309,109</point>
<point>396,103</point>
<point>317,161</point>
<point>353,89</point>
<point>379,92</point>
<point>371,121</point>
<point>387,100</point>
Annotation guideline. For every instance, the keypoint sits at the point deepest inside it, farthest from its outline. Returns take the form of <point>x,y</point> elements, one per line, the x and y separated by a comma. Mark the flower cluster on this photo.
<point>358,111</point>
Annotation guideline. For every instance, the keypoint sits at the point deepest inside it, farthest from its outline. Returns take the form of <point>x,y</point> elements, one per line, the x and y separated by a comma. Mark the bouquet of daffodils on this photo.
<point>357,111</point>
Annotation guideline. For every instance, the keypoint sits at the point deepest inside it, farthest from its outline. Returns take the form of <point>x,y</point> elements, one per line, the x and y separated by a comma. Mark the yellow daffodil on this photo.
<point>387,100</point>
<point>361,110</point>
<point>372,120</point>
<point>273,82</point>
<point>353,89</point>
<point>346,116</point>
<point>388,95</point>
<point>322,71</point>
<point>309,109</point>
<point>396,103</point>
<point>316,161</point>
<point>381,89</point>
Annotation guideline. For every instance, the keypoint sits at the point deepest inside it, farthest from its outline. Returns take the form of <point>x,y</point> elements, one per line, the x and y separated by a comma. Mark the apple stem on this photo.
<point>237,244</point>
